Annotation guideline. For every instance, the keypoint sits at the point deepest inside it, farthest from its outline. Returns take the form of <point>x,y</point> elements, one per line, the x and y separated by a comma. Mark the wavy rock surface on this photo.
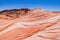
<point>26,24</point>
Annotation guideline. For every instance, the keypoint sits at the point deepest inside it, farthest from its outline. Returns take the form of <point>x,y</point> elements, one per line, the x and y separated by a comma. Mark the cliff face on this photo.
<point>29,24</point>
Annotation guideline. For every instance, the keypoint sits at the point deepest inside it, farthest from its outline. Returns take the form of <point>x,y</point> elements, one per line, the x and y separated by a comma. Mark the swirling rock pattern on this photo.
<point>26,24</point>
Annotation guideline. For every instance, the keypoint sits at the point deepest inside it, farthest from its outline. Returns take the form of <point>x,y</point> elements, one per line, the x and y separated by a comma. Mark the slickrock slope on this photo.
<point>26,24</point>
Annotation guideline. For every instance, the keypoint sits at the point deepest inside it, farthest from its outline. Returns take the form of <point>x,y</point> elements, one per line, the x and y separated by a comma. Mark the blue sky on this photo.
<point>51,5</point>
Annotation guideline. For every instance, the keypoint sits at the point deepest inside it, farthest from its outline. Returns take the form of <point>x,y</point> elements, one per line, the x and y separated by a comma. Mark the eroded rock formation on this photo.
<point>26,24</point>
<point>14,13</point>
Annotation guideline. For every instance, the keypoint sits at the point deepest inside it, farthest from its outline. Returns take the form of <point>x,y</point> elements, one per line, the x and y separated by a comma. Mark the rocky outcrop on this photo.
<point>14,13</point>
<point>29,24</point>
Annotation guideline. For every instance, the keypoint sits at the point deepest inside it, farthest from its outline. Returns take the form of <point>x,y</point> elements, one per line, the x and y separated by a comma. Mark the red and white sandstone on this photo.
<point>26,24</point>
